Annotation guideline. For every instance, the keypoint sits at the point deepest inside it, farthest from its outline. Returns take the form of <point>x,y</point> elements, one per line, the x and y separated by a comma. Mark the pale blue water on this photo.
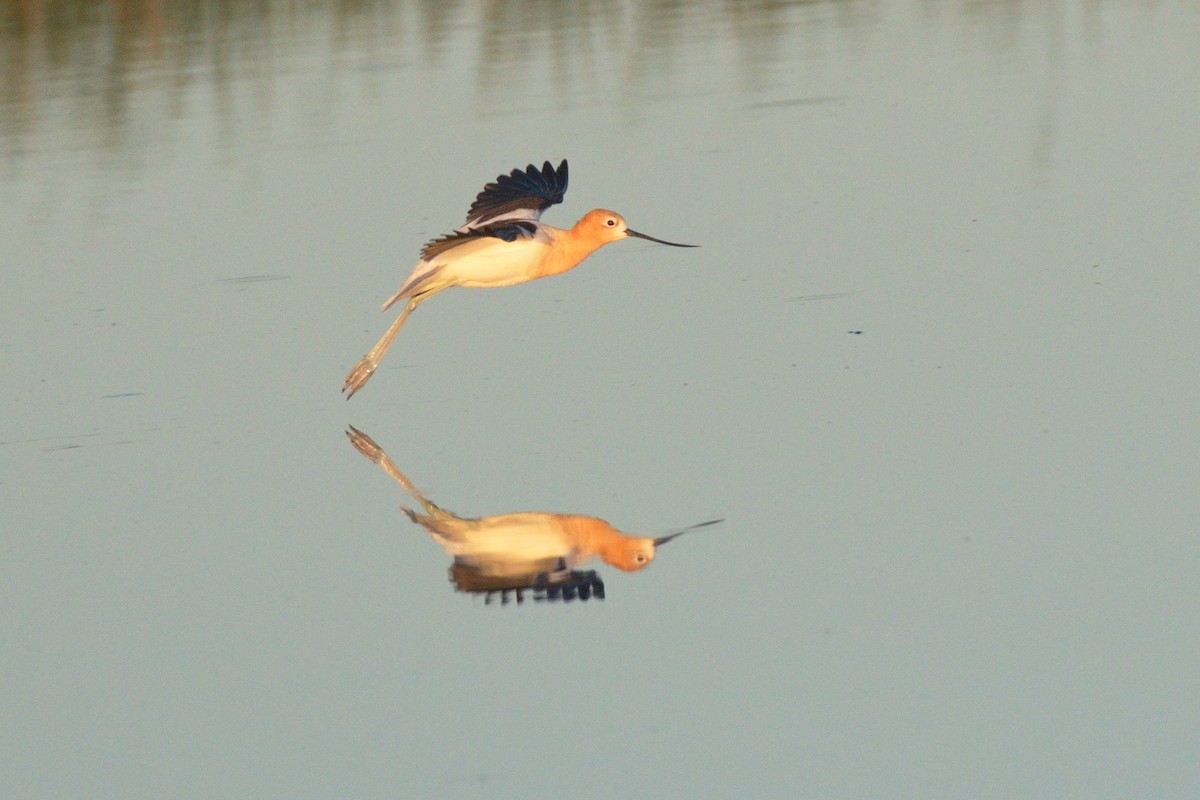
<point>934,365</point>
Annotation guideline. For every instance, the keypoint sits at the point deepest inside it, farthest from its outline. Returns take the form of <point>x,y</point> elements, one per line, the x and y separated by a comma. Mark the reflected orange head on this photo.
<point>628,552</point>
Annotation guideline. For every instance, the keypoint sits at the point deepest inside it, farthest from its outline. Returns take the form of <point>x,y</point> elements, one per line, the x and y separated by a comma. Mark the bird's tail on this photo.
<point>411,287</point>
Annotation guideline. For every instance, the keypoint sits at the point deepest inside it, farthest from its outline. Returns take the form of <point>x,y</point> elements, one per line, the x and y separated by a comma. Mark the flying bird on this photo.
<point>502,243</point>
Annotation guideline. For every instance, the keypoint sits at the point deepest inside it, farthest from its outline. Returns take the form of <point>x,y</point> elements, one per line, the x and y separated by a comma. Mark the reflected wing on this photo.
<point>545,586</point>
<point>520,195</point>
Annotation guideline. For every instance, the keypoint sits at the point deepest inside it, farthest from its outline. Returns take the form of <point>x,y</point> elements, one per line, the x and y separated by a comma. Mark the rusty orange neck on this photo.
<point>567,249</point>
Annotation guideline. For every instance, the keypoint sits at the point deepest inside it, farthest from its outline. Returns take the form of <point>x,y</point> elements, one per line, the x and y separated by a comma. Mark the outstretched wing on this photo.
<point>508,231</point>
<point>520,195</point>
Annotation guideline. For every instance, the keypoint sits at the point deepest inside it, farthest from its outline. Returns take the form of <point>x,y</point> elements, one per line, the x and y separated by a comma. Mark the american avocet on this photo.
<point>502,243</point>
<point>529,543</point>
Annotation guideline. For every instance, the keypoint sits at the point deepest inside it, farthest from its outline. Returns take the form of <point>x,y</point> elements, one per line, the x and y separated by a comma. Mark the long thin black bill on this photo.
<point>680,531</point>
<point>629,232</point>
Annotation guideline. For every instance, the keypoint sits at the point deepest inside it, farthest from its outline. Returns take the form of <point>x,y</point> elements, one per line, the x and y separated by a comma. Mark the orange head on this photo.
<point>629,553</point>
<point>632,553</point>
<point>606,226</point>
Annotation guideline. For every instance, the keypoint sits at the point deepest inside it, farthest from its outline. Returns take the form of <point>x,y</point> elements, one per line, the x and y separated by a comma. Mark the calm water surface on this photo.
<point>934,365</point>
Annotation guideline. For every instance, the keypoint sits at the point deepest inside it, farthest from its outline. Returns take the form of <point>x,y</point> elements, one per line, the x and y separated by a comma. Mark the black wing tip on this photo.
<point>531,187</point>
<point>550,175</point>
<point>547,172</point>
<point>548,169</point>
<point>556,178</point>
<point>560,175</point>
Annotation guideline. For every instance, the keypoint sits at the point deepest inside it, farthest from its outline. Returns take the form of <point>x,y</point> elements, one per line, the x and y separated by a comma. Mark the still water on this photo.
<point>934,366</point>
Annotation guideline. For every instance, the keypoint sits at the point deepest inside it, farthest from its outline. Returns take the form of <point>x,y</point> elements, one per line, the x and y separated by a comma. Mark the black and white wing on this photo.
<point>509,231</point>
<point>520,195</point>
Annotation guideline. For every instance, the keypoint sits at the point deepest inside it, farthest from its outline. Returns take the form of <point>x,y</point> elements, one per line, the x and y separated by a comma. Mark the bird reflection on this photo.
<point>506,555</point>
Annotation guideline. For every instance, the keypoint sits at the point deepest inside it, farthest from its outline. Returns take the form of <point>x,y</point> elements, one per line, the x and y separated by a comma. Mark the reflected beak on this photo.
<point>629,232</point>
<point>661,540</point>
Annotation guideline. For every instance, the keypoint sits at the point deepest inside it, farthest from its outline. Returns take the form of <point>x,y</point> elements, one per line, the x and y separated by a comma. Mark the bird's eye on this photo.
<point>640,558</point>
<point>610,222</point>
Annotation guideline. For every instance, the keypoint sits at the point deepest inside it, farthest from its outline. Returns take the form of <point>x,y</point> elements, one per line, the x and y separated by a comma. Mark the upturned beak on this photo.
<point>680,532</point>
<point>629,232</point>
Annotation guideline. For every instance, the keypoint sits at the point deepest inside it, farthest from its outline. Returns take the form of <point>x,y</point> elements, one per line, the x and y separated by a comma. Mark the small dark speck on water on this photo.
<point>856,333</point>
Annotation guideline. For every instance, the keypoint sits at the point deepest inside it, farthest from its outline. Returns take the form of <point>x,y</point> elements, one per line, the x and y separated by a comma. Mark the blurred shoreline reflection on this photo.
<point>118,77</point>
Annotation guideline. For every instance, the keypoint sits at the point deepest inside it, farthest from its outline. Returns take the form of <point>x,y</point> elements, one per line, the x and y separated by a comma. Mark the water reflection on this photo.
<point>111,75</point>
<point>503,556</point>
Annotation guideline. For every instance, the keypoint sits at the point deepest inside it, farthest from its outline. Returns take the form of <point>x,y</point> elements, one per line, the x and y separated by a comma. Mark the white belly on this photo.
<point>488,263</point>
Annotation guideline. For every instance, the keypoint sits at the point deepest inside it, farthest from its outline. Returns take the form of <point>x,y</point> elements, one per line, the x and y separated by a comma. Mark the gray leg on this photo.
<point>365,368</point>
